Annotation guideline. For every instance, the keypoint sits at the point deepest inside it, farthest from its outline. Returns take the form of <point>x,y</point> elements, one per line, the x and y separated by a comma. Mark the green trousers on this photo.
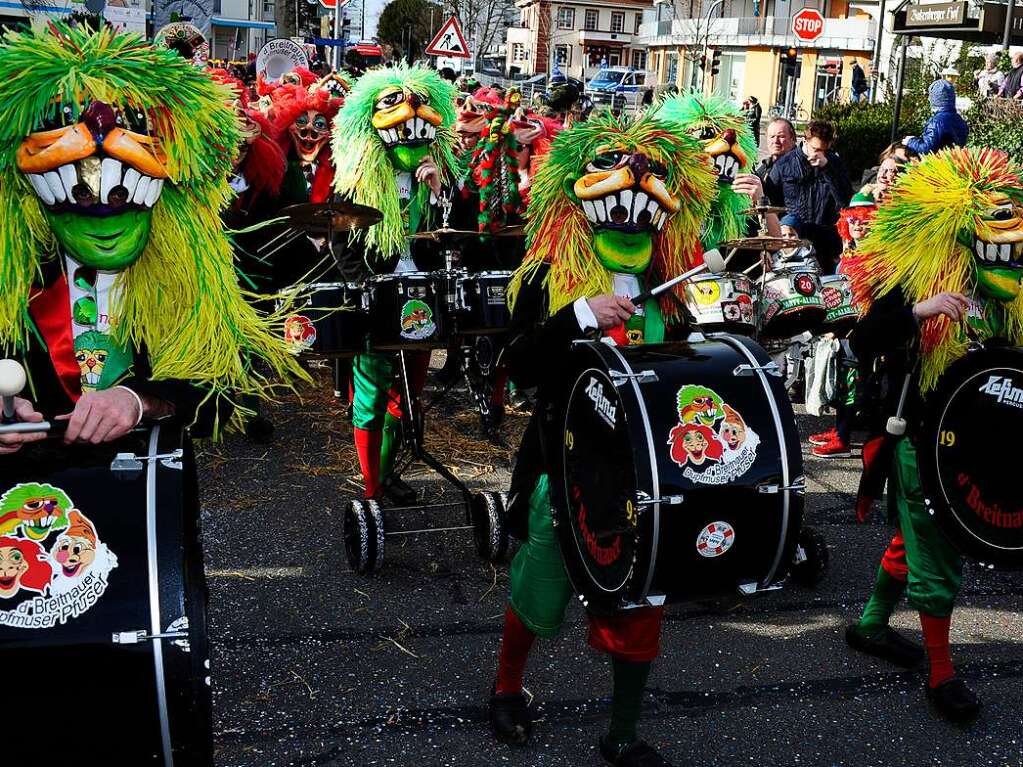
<point>372,377</point>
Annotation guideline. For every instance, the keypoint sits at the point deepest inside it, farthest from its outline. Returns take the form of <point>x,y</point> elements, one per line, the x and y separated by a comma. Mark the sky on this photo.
<point>373,9</point>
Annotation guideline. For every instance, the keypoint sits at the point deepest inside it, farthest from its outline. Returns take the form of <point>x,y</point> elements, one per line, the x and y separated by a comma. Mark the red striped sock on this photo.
<point>939,653</point>
<point>515,646</point>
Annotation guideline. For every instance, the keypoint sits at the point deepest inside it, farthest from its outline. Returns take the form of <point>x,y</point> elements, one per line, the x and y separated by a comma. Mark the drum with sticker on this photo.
<point>791,300</point>
<point>677,472</point>
<point>103,598</point>
<point>840,313</point>
<point>722,302</point>
<point>327,320</point>
<point>409,310</point>
<point>967,469</point>
<point>482,302</point>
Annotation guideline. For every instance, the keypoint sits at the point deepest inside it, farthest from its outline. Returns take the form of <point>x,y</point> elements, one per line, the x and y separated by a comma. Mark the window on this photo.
<point>518,53</point>
<point>614,59</point>
<point>563,55</point>
<point>639,59</point>
<point>566,18</point>
<point>590,20</point>
<point>639,20</point>
<point>268,10</point>
<point>617,21</point>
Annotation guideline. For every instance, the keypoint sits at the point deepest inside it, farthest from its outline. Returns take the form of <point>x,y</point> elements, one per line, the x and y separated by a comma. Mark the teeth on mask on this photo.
<point>131,180</point>
<point>638,204</point>
<point>601,214</point>
<point>56,187</point>
<point>992,252</point>
<point>155,185</point>
<point>626,202</point>
<point>141,190</point>
<point>42,188</point>
<point>1005,252</point>
<point>590,210</point>
<point>978,248</point>
<point>68,177</point>
<point>110,176</point>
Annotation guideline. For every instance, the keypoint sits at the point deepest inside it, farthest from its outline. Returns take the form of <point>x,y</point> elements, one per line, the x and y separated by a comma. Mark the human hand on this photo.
<point>749,184</point>
<point>25,413</point>
<point>952,305</point>
<point>427,173</point>
<point>102,416</point>
<point>818,159</point>
<point>610,310</point>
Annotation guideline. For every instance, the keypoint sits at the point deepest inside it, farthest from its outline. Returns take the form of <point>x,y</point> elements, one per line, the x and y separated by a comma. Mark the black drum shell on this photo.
<point>484,308</point>
<point>115,685</point>
<point>390,294</point>
<point>966,469</point>
<point>337,314</point>
<point>765,524</point>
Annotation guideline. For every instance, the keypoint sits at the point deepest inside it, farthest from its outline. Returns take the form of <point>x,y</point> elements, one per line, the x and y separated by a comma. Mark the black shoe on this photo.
<point>954,701</point>
<point>636,754</point>
<point>260,429</point>
<point>510,720</point>
<point>889,645</point>
<point>398,491</point>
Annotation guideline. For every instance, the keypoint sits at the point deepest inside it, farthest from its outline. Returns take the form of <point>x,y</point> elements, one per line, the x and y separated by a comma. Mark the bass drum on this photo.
<point>103,598</point>
<point>967,467</point>
<point>677,472</point>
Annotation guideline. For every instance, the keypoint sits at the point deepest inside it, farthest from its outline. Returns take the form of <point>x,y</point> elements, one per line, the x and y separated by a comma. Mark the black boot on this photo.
<point>397,491</point>
<point>888,645</point>
<point>955,701</point>
<point>510,719</point>
<point>636,754</point>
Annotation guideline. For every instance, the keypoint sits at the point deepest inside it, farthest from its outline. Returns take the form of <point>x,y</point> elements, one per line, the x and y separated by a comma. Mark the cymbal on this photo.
<point>321,217</point>
<point>518,230</point>
<point>762,243</point>
<point>765,210</point>
<point>445,234</point>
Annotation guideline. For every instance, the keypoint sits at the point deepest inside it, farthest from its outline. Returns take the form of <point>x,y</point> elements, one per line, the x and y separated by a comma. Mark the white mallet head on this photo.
<point>12,378</point>
<point>715,263</point>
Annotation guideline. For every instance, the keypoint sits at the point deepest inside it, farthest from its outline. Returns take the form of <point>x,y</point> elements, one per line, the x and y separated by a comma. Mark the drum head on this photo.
<point>600,484</point>
<point>967,464</point>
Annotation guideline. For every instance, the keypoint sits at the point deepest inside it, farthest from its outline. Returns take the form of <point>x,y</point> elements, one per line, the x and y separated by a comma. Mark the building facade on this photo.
<point>758,53</point>
<point>577,37</point>
<point>240,27</point>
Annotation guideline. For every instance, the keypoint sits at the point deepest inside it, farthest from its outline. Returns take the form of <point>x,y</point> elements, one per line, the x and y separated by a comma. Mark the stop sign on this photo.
<point>808,25</point>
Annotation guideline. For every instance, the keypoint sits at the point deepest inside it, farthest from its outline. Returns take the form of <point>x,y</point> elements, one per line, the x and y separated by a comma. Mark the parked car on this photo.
<point>618,88</point>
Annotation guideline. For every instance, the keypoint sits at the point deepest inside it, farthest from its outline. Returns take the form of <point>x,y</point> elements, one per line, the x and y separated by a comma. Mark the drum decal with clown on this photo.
<point>711,441</point>
<point>300,333</point>
<point>417,320</point>
<point>53,566</point>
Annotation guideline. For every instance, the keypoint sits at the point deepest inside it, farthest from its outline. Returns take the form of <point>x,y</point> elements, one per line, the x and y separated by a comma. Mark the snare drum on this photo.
<point>106,610</point>
<point>722,302</point>
<point>328,320</point>
<point>408,310</point>
<point>836,293</point>
<point>482,299</point>
<point>677,472</point>
<point>790,301</point>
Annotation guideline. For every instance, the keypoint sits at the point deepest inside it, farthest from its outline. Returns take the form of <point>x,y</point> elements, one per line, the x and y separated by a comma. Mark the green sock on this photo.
<point>389,444</point>
<point>627,701</point>
<point>887,593</point>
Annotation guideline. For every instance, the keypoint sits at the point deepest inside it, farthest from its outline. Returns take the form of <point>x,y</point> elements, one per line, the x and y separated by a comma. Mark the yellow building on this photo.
<point>757,51</point>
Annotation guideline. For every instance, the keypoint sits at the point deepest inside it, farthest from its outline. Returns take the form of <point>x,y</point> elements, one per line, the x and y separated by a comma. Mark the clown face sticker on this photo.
<point>417,320</point>
<point>711,441</point>
<point>300,333</point>
<point>53,566</point>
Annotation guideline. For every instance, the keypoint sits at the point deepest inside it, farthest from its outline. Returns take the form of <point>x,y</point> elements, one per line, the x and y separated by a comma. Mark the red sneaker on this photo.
<point>824,437</point>
<point>834,448</point>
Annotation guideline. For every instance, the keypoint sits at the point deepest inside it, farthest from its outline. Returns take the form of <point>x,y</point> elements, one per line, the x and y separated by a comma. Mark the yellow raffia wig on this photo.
<point>559,234</point>
<point>923,240</point>
<point>180,299</point>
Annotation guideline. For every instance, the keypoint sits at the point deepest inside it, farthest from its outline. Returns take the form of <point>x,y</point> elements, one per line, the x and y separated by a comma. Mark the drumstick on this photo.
<point>712,262</point>
<point>12,381</point>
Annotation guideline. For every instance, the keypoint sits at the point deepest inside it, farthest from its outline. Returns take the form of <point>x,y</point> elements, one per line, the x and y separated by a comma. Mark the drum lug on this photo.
<point>141,635</point>
<point>798,486</point>
<point>644,376</point>
<point>642,499</point>
<point>749,589</point>
<point>650,600</point>
<point>744,371</point>
<point>130,463</point>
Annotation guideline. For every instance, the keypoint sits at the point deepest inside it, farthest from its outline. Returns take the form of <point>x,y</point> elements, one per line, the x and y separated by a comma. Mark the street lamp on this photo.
<point>706,36</point>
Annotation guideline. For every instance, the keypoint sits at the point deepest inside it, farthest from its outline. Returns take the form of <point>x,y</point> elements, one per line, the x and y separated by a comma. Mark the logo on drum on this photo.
<point>711,442</point>
<point>299,333</point>
<point>715,539</point>
<point>604,407</point>
<point>804,285</point>
<point>832,298</point>
<point>417,320</point>
<point>53,566</point>
<point>1004,390</point>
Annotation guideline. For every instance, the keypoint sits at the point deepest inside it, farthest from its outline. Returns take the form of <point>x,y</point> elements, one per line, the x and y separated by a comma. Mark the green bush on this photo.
<point>864,130</point>
<point>997,123</point>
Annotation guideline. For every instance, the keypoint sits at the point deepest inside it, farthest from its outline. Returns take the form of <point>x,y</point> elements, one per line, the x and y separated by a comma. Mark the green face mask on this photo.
<point>109,243</point>
<point>407,158</point>
<point>999,284</point>
<point>627,252</point>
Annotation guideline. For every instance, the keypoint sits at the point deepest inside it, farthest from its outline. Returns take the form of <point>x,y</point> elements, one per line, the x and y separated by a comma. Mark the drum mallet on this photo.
<point>896,425</point>
<point>12,381</point>
<point>712,262</point>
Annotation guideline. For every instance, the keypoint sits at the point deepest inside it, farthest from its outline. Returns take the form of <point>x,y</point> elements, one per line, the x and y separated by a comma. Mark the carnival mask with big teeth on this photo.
<point>98,174</point>
<point>406,124</point>
<point>309,133</point>
<point>998,249</point>
<point>725,152</point>
<point>626,201</point>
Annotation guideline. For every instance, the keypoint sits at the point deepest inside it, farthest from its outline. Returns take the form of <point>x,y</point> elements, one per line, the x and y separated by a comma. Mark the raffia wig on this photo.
<point>180,299</point>
<point>704,117</point>
<point>915,243</point>
<point>559,234</point>
<point>363,170</point>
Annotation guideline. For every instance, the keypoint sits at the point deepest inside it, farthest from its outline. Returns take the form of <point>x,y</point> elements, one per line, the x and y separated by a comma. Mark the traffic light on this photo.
<point>715,62</point>
<point>790,62</point>
<point>703,62</point>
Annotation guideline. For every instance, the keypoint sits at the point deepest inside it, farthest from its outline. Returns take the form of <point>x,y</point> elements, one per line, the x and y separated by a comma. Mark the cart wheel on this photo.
<point>811,560</point>
<point>363,534</point>
<point>488,527</point>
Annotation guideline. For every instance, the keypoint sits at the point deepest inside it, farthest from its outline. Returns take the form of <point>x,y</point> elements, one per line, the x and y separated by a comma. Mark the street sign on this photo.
<point>330,3</point>
<point>808,25</point>
<point>449,41</point>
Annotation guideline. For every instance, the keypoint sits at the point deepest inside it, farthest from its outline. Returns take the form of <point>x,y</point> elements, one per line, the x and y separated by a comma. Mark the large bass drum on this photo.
<point>103,600</point>
<point>967,465</point>
<point>677,472</point>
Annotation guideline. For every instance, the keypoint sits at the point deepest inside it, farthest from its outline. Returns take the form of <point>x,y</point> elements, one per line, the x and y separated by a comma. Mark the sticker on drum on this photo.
<point>804,285</point>
<point>53,566</point>
<point>706,293</point>
<point>299,333</point>
<point>711,441</point>
<point>417,320</point>
<point>496,295</point>
<point>715,539</point>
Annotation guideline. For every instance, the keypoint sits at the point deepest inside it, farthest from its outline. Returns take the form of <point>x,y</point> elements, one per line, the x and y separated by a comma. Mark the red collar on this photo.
<point>50,308</point>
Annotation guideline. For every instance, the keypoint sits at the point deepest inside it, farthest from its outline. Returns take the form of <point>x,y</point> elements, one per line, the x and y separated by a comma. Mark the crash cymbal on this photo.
<point>761,243</point>
<point>321,217</point>
<point>764,210</point>
<point>518,230</point>
<point>445,234</point>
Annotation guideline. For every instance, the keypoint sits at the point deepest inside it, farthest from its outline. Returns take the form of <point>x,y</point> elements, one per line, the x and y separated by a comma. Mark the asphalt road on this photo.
<point>315,665</point>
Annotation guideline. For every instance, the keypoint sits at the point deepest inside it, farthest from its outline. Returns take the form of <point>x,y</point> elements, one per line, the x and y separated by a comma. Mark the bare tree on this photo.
<point>694,22</point>
<point>483,21</point>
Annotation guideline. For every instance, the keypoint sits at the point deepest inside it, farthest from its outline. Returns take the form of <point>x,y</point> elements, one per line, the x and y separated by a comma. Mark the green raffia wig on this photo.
<point>560,234</point>
<point>954,222</point>
<point>726,137</point>
<point>365,164</point>
<point>179,296</point>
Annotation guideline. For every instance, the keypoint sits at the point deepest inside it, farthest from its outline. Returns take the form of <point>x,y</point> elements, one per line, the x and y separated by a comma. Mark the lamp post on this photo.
<point>706,39</point>
<point>875,64</point>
